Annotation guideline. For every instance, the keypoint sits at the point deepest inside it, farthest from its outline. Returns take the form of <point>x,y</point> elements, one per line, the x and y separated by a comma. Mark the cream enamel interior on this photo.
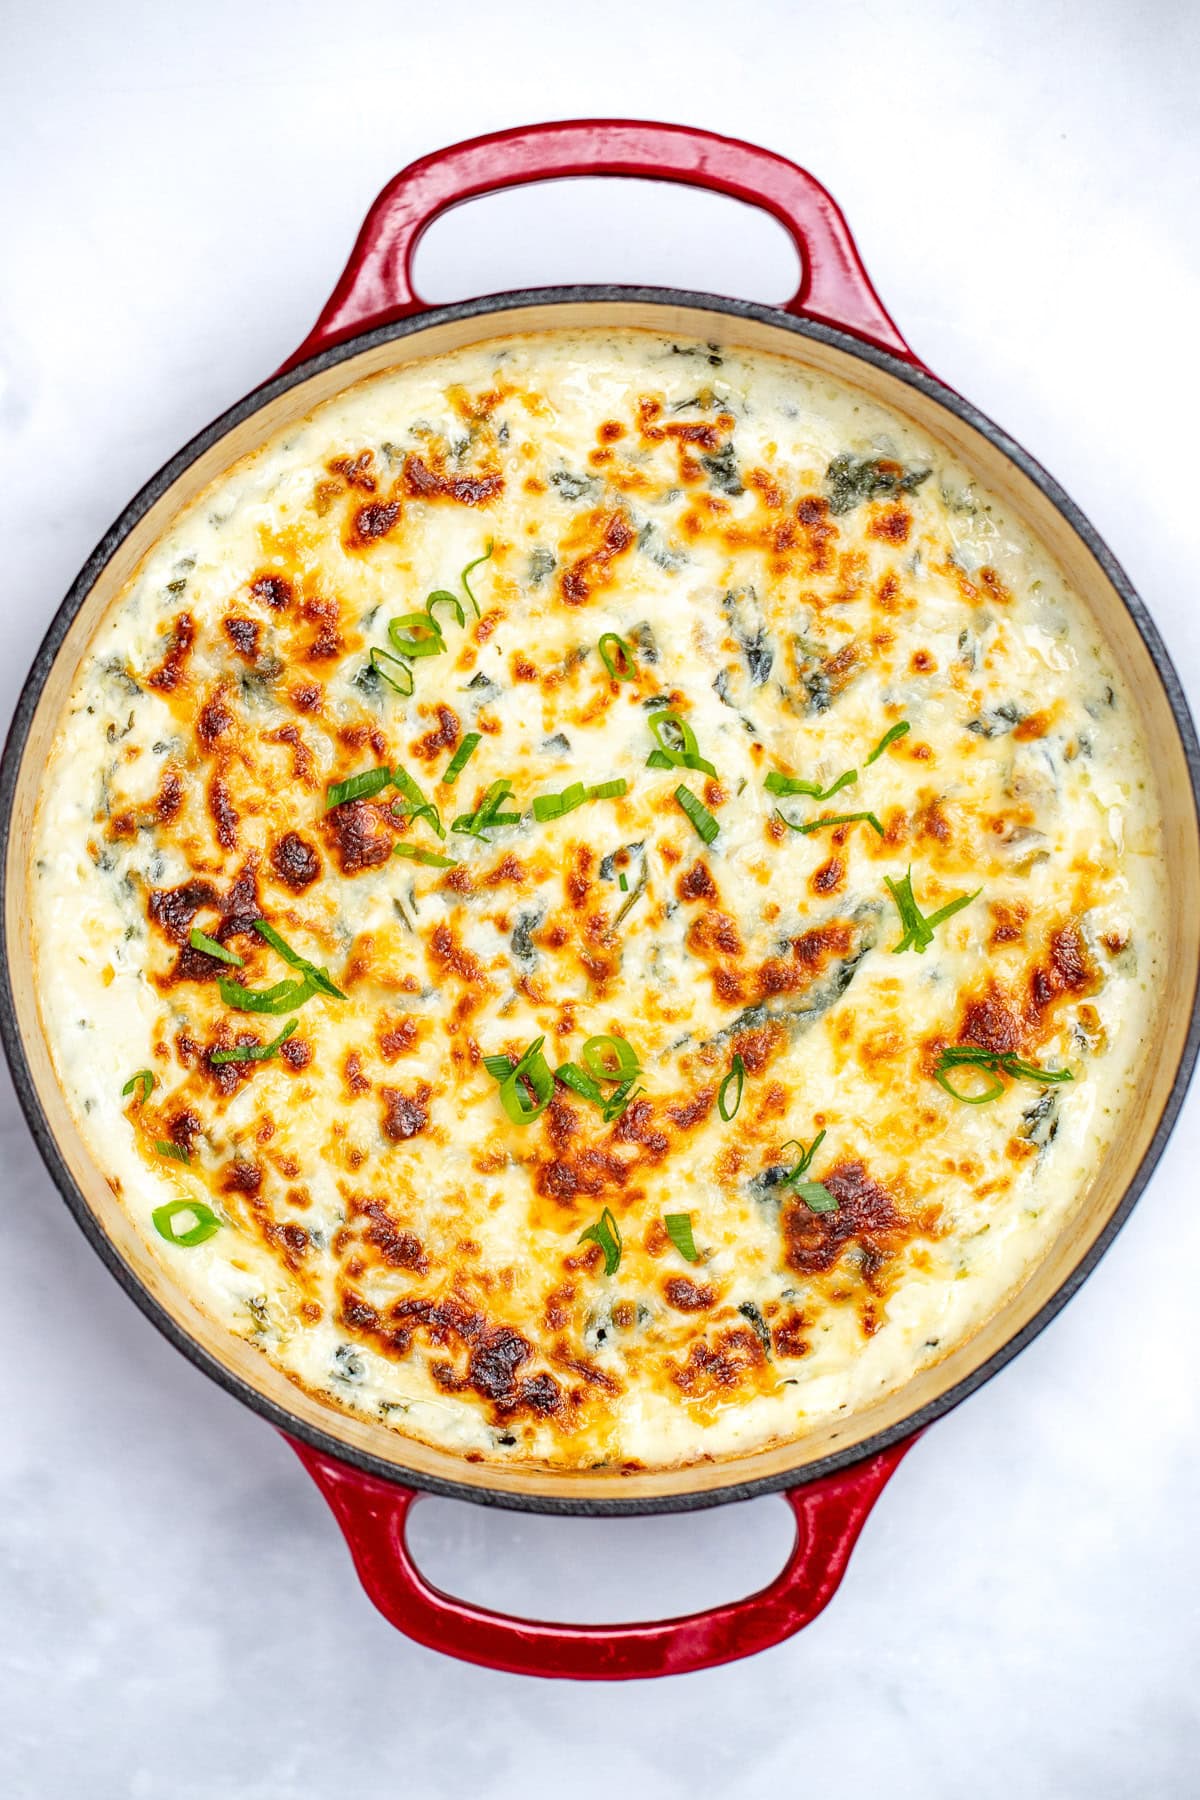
<point>1163,1033</point>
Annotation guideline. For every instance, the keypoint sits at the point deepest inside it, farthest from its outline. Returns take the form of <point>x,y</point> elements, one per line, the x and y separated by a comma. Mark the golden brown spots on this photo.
<point>1033,725</point>
<point>696,883</point>
<point>355,471</point>
<point>359,835</point>
<point>405,1115</point>
<point>397,1040</point>
<point>372,522</point>
<point>224,813</point>
<point>442,737</point>
<point>829,877</point>
<point>304,768</point>
<point>424,483</point>
<point>1008,921</point>
<point>173,667</point>
<point>891,525</point>
<point>719,1367</point>
<point>591,571</point>
<point>867,1217</point>
<point>243,634</point>
<point>274,591</point>
<point>688,1296</point>
<point>295,861</point>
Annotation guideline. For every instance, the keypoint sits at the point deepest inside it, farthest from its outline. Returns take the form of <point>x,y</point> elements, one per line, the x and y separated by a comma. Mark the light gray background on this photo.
<point>180,186</point>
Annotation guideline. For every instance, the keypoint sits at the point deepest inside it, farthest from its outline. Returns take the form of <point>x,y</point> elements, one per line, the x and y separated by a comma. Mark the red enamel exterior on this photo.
<point>830,1513</point>
<point>377,283</point>
<point>375,289</point>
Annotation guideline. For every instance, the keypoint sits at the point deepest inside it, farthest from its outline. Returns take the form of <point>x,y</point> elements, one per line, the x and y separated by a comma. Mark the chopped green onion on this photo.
<point>499,1067</point>
<point>318,978</point>
<point>144,1079</point>
<point>679,1230</point>
<point>831,820</point>
<point>487,815</point>
<point>284,997</point>
<point>358,787</point>
<point>676,741</point>
<point>617,657</point>
<point>736,1075</point>
<point>206,1224</point>
<point>415,635</point>
<point>990,1063</point>
<point>698,813</point>
<point>254,1052</point>
<point>556,806</point>
<point>176,1152</point>
<point>607,1233</point>
<point>461,758</point>
<point>199,941</point>
<point>532,1072</point>
<point>609,1058</point>
<point>413,803</point>
<point>816,1196</point>
<point>784,785</point>
<point>889,737</point>
<point>623,881</point>
<point>474,565</point>
<point>918,930</point>
<point>403,685</point>
<point>614,1107</point>
<point>806,1156</point>
<point>429,857</point>
<point>572,1076</point>
<point>443,597</point>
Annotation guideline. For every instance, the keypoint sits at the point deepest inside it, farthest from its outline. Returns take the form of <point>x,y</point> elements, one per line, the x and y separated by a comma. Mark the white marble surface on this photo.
<point>177,1614</point>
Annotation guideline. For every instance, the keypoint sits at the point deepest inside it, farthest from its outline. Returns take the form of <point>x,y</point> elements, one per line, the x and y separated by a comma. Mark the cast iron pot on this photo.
<point>836,325</point>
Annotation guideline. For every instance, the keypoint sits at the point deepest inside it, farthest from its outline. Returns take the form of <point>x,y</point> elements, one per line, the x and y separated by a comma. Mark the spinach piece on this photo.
<point>850,481</point>
<point>722,470</point>
<point>572,487</point>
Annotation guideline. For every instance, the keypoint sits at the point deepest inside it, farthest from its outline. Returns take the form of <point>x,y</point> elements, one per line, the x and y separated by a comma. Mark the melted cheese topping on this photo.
<point>794,572</point>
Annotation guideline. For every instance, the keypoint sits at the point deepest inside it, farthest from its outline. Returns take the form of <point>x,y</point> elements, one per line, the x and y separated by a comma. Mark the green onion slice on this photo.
<point>610,1058</point>
<point>620,1098</point>
<point>889,737</point>
<point>918,930</point>
<point>176,1152</point>
<point>206,1224</point>
<point>200,941</point>
<point>412,803</point>
<point>430,858</point>
<point>679,1230</point>
<point>443,597</point>
<point>816,1196</point>
<point>358,787</point>
<point>703,821</point>
<point>572,1076</point>
<point>415,635</point>
<point>676,741</point>
<point>487,815</point>
<point>461,758</point>
<point>474,565</point>
<point>607,1233</point>
<point>499,1067</point>
<point>556,806</point>
<point>785,785</point>
<point>254,1052</point>
<point>832,819</point>
<point>403,683</point>
<point>992,1065</point>
<point>617,657</point>
<point>284,997</point>
<point>806,1157</point>
<point>143,1080</point>
<point>735,1079</point>
<point>623,881</point>
<point>528,1089</point>
<point>317,977</point>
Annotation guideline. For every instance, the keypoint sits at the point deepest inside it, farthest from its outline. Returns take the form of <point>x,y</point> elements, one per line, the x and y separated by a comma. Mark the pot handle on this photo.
<point>830,1512</point>
<point>376,286</point>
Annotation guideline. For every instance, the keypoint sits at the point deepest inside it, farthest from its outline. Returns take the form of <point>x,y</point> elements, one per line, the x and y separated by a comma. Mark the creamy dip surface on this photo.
<point>724,975</point>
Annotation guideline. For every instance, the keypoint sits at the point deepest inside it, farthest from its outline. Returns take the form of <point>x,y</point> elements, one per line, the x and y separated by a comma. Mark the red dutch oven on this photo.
<point>836,322</point>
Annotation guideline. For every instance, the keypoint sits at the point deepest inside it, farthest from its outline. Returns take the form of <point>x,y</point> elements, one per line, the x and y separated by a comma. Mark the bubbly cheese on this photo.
<point>793,573</point>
